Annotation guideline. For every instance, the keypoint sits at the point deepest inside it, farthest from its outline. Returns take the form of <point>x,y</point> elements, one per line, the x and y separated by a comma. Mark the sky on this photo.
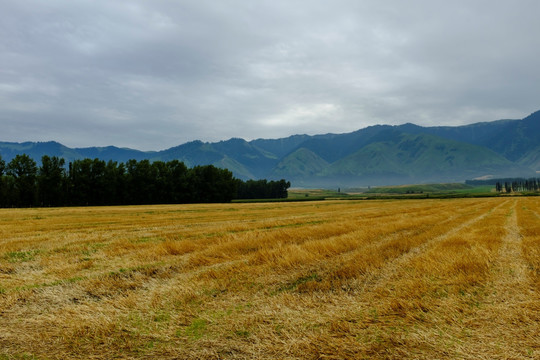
<point>150,75</point>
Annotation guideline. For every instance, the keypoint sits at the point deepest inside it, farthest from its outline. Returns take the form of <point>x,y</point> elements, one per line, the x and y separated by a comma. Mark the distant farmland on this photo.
<point>425,279</point>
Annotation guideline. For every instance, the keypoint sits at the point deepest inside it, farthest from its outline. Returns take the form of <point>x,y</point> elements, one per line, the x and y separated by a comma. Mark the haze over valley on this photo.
<point>376,155</point>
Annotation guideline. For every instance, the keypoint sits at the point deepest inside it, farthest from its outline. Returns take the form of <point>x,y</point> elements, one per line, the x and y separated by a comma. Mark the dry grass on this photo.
<point>421,279</point>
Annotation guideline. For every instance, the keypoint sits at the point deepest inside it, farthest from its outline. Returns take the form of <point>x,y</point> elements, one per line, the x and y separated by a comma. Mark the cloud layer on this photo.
<point>155,74</point>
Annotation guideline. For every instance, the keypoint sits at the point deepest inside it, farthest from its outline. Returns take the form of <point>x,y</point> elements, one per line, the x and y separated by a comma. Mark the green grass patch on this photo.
<point>196,329</point>
<point>425,188</point>
<point>242,333</point>
<point>314,193</point>
<point>481,189</point>
<point>24,356</point>
<point>419,191</point>
<point>53,283</point>
<point>21,256</point>
<point>162,316</point>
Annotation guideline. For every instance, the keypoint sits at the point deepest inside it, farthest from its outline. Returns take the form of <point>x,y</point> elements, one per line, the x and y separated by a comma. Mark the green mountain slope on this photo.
<point>242,158</point>
<point>300,164</point>
<point>36,150</point>
<point>280,147</point>
<point>238,169</point>
<point>513,139</point>
<point>376,155</point>
<point>532,159</point>
<point>332,147</point>
<point>408,157</point>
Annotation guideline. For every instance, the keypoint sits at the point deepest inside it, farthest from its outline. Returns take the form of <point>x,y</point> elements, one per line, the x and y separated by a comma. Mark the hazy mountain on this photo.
<point>513,139</point>
<point>299,165</point>
<point>375,155</point>
<point>280,147</point>
<point>36,150</point>
<point>241,157</point>
<point>418,158</point>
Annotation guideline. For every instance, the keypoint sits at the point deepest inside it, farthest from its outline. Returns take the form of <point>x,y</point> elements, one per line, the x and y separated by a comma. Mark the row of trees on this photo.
<point>518,185</point>
<point>509,185</point>
<point>96,182</point>
<point>263,189</point>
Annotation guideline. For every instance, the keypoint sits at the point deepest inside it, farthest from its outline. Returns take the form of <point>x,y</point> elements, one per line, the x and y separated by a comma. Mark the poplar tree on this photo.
<point>24,171</point>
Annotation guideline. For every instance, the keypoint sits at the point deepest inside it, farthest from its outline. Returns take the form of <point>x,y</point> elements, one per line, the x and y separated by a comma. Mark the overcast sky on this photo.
<point>154,74</point>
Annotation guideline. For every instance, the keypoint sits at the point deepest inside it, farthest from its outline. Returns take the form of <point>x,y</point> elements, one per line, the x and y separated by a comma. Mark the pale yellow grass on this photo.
<point>421,279</point>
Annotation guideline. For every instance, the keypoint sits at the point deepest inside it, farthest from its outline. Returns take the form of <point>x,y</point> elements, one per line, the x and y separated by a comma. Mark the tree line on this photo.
<point>96,182</point>
<point>509,185</point>
<point>518,185</point>
<point>263,189</point>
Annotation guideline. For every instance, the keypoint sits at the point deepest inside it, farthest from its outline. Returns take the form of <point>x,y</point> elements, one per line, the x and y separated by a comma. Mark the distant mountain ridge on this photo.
<point>376,155</point>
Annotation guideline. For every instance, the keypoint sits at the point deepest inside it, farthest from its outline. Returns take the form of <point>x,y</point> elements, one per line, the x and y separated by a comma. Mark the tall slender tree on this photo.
<point>51,181</point>
<point>23,169</point>
<point>2,186</point>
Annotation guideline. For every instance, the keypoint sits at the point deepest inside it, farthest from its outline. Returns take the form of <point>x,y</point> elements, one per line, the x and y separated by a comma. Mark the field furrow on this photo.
<point>506,322</point>
<point>446,229</point>
<point>425,291</point>
<point>419,279</point>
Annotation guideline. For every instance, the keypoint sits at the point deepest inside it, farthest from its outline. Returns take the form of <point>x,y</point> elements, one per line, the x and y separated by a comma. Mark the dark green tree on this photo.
<point>80,182</point>
<point>140,185</point>
<point>95,182</point>
<point>263,189</point>
<point>178,179</point>
<point>100,187</point>
<point>115,180</point>
<point>23,170</point>
<point>2,181</point>
<point>2,166</point>
<point>162,183</point>
<point>212,184</point>
<point>51,181</point>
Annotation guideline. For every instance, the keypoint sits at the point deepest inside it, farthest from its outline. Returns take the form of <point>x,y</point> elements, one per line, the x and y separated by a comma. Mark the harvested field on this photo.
<point>420,279</point>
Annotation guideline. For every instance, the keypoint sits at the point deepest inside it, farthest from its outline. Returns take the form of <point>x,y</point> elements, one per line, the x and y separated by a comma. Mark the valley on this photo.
<point>373,156</point>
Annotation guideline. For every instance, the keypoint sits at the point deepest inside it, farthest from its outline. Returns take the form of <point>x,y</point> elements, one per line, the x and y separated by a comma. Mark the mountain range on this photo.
<point>376,155</point>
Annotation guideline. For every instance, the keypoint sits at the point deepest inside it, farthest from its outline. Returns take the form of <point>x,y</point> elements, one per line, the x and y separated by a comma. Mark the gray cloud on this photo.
<point>151,75</point>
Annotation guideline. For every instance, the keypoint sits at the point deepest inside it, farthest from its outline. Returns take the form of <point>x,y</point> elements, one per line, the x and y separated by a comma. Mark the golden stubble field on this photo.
<point>421,279</point>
